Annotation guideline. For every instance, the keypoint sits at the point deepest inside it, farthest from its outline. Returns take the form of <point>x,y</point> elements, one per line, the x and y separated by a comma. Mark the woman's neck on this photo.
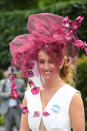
<point>55,82</point>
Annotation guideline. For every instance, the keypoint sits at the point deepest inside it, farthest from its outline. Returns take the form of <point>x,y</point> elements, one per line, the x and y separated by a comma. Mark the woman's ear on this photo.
<point>62,63</point>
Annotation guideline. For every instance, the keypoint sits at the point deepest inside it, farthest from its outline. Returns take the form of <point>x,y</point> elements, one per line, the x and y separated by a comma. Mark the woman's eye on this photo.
<point>51,62</point>
<point>41,62</point>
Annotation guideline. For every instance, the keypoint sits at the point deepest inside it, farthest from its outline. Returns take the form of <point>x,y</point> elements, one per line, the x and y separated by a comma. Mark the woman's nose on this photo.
<point>46,66</point>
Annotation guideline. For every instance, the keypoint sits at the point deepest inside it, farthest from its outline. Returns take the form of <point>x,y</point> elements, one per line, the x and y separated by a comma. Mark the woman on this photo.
<point>48,52</point>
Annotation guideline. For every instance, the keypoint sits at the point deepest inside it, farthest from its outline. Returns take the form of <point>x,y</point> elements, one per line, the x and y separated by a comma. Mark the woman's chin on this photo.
<point>47,77</point>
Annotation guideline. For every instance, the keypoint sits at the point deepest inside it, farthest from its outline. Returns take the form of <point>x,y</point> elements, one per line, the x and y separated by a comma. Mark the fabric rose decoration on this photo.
<point>24,109</point>
<point>12,78</point>
<point>35,90</point>
<point>13,86</point>
<point>36,114</point>
<point>14,94</point>
<point>46,113</point>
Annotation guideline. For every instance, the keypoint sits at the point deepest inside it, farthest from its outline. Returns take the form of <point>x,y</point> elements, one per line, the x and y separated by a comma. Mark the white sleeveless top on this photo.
<point>58,109</point>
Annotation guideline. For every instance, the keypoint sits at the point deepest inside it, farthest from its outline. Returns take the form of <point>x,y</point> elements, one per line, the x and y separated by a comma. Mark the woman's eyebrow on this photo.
<point>41,59</point>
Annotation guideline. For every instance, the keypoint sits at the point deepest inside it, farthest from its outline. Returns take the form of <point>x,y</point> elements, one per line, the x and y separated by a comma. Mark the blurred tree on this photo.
<point>18,4</point>
<point>14,23</point>
<point>44,3</point>
<point>82,79</point>
<point>9,5</point>
<point>1,74</point>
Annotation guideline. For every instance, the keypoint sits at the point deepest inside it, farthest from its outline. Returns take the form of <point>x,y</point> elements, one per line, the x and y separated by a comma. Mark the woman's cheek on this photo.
<point>40,67</point>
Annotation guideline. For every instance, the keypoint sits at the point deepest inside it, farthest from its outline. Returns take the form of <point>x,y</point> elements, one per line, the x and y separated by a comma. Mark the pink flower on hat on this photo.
<point>28,74</point>
<point>80,19</point>
<point>78,43</point>
<point>27,66</point>
<point>76,23</point>
<point>66,22</point>
<point>35,90</point>
<point>18,55</point>
<point>14,94</point>
<point>81,44</point>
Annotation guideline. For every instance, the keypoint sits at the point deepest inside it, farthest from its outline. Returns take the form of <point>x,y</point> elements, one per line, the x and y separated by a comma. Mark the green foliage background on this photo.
<point>82,79</point>
<point>13,21</point>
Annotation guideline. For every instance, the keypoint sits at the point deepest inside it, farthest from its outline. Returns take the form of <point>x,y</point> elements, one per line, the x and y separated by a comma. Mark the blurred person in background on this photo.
<point>20,75</point>
<point>9,106</point>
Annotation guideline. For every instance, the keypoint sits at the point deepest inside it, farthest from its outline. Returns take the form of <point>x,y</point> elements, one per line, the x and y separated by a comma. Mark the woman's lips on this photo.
<point>47,72</point>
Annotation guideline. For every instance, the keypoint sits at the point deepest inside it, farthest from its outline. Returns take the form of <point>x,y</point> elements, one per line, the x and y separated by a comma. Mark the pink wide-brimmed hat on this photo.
<point>46,29</point>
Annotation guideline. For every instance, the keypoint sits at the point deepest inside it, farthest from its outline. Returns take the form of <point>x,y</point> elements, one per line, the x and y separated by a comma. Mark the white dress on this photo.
<point>57,108</point>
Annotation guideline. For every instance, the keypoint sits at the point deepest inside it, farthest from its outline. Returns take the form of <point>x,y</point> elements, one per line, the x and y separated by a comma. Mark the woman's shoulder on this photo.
<point>70,92</point>
<point>71,88</point>
<point>28,92</point>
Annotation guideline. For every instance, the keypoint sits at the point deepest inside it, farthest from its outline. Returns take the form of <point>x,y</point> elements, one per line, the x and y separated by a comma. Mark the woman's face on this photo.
<point>47,66</point>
